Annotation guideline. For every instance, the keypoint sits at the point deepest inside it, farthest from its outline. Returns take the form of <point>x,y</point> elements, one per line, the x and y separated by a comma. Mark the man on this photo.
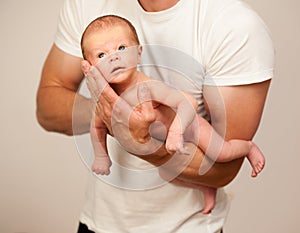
<point>235,56</point>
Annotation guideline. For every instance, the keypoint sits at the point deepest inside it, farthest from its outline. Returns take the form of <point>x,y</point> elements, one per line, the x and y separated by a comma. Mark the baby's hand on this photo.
<point>101,165</point>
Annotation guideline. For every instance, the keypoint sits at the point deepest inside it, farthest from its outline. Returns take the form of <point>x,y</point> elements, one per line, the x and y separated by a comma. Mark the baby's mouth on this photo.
<point>117,69</point>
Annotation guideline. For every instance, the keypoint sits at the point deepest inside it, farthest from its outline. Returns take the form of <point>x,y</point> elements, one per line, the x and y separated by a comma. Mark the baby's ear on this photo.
<point>140,49</point>
<point>85,67</point>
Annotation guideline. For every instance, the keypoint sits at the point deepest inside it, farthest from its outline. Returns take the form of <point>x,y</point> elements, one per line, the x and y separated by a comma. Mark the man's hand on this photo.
<point>129,125</point>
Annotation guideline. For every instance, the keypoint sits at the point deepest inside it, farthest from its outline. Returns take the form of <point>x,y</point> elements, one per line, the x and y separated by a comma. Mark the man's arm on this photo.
<point>243,106</point>
<point>57,94</point>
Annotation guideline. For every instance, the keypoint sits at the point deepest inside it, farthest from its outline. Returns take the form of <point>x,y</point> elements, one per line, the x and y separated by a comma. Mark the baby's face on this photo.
<point>113,51</point>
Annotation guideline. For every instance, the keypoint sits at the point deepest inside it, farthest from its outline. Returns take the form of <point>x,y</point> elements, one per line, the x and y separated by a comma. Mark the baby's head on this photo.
<point>106,35</point>
<point>111,43</point>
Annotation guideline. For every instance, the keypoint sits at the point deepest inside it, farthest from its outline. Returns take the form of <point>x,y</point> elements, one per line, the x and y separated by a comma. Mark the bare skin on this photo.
<point>62,76</point>
<point>112,54</point>
<point>157,5</point>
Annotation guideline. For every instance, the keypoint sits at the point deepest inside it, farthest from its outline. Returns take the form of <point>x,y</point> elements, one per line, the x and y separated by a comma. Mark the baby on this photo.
<point>111,43</point>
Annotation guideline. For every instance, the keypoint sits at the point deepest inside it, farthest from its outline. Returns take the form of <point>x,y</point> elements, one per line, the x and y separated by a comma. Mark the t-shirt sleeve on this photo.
<point>69,29</point>
<point>238,48</point>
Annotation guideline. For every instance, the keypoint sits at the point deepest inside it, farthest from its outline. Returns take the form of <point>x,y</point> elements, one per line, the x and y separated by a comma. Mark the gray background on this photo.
<point>42,178</point>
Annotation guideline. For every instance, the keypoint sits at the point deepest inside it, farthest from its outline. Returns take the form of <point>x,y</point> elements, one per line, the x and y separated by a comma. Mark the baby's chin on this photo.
<point>117,77</point>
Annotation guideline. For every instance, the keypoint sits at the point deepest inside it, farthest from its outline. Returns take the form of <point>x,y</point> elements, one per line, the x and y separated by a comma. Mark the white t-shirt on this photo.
<point>194,43</point>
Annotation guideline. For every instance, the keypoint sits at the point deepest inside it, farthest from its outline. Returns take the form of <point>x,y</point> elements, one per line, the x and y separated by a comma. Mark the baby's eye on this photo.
<point>101,55</point>
<point>122,47</point>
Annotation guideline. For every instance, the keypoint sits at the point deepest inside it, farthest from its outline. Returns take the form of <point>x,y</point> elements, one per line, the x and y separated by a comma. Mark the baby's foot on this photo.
<point>209,193</point>
<point>256,159</point>
<point>174,143</point>
<point>101,165</point>
<point>209,198</point>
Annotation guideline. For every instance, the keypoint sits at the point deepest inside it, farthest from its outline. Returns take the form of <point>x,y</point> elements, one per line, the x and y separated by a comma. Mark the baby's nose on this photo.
<point>114,57</point>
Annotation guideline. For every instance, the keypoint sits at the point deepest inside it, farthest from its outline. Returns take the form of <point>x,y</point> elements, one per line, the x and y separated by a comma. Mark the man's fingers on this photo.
<point>97,80</point>
<point>121,111</point>
<point>85,67</point>
<point>92,88</point>
<point>91,82</point>
<point>145,108</point>
<point>109,95</point>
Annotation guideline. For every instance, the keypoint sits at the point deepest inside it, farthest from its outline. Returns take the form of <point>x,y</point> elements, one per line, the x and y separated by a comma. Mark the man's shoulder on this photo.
<point>228,9</point>
<point>234,16</point>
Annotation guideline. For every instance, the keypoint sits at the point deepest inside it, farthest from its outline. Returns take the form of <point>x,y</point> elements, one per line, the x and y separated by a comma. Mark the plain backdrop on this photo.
<point>43,180</point>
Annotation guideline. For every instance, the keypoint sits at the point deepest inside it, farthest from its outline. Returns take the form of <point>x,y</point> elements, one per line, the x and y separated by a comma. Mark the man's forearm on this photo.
<point>216,174</point>
<point>237,102</point>
<point>63,111</point>
<point>186,167</point>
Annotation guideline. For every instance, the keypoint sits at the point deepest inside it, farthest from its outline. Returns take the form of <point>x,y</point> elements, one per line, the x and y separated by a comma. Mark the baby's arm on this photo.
<point>185,114</point>
<point>98,132</point>
<point>184,106</point>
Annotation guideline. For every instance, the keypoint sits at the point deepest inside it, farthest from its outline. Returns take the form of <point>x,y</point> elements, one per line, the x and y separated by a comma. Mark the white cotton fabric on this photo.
<point>205,42</point>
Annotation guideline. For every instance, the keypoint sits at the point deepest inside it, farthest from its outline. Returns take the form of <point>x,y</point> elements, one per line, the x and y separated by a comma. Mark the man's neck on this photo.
<point>157,5</point>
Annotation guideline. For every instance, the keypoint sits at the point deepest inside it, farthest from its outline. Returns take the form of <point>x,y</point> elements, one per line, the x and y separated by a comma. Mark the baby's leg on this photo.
<point>102,161</point>
<point>209,194</point>
<point>219,150</point>
<point>256,159</point>
<point>174,142</point>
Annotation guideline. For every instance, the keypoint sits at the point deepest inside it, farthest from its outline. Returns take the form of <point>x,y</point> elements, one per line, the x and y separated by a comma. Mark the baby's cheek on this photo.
<point>95,61</point>
<point>131,63</point>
